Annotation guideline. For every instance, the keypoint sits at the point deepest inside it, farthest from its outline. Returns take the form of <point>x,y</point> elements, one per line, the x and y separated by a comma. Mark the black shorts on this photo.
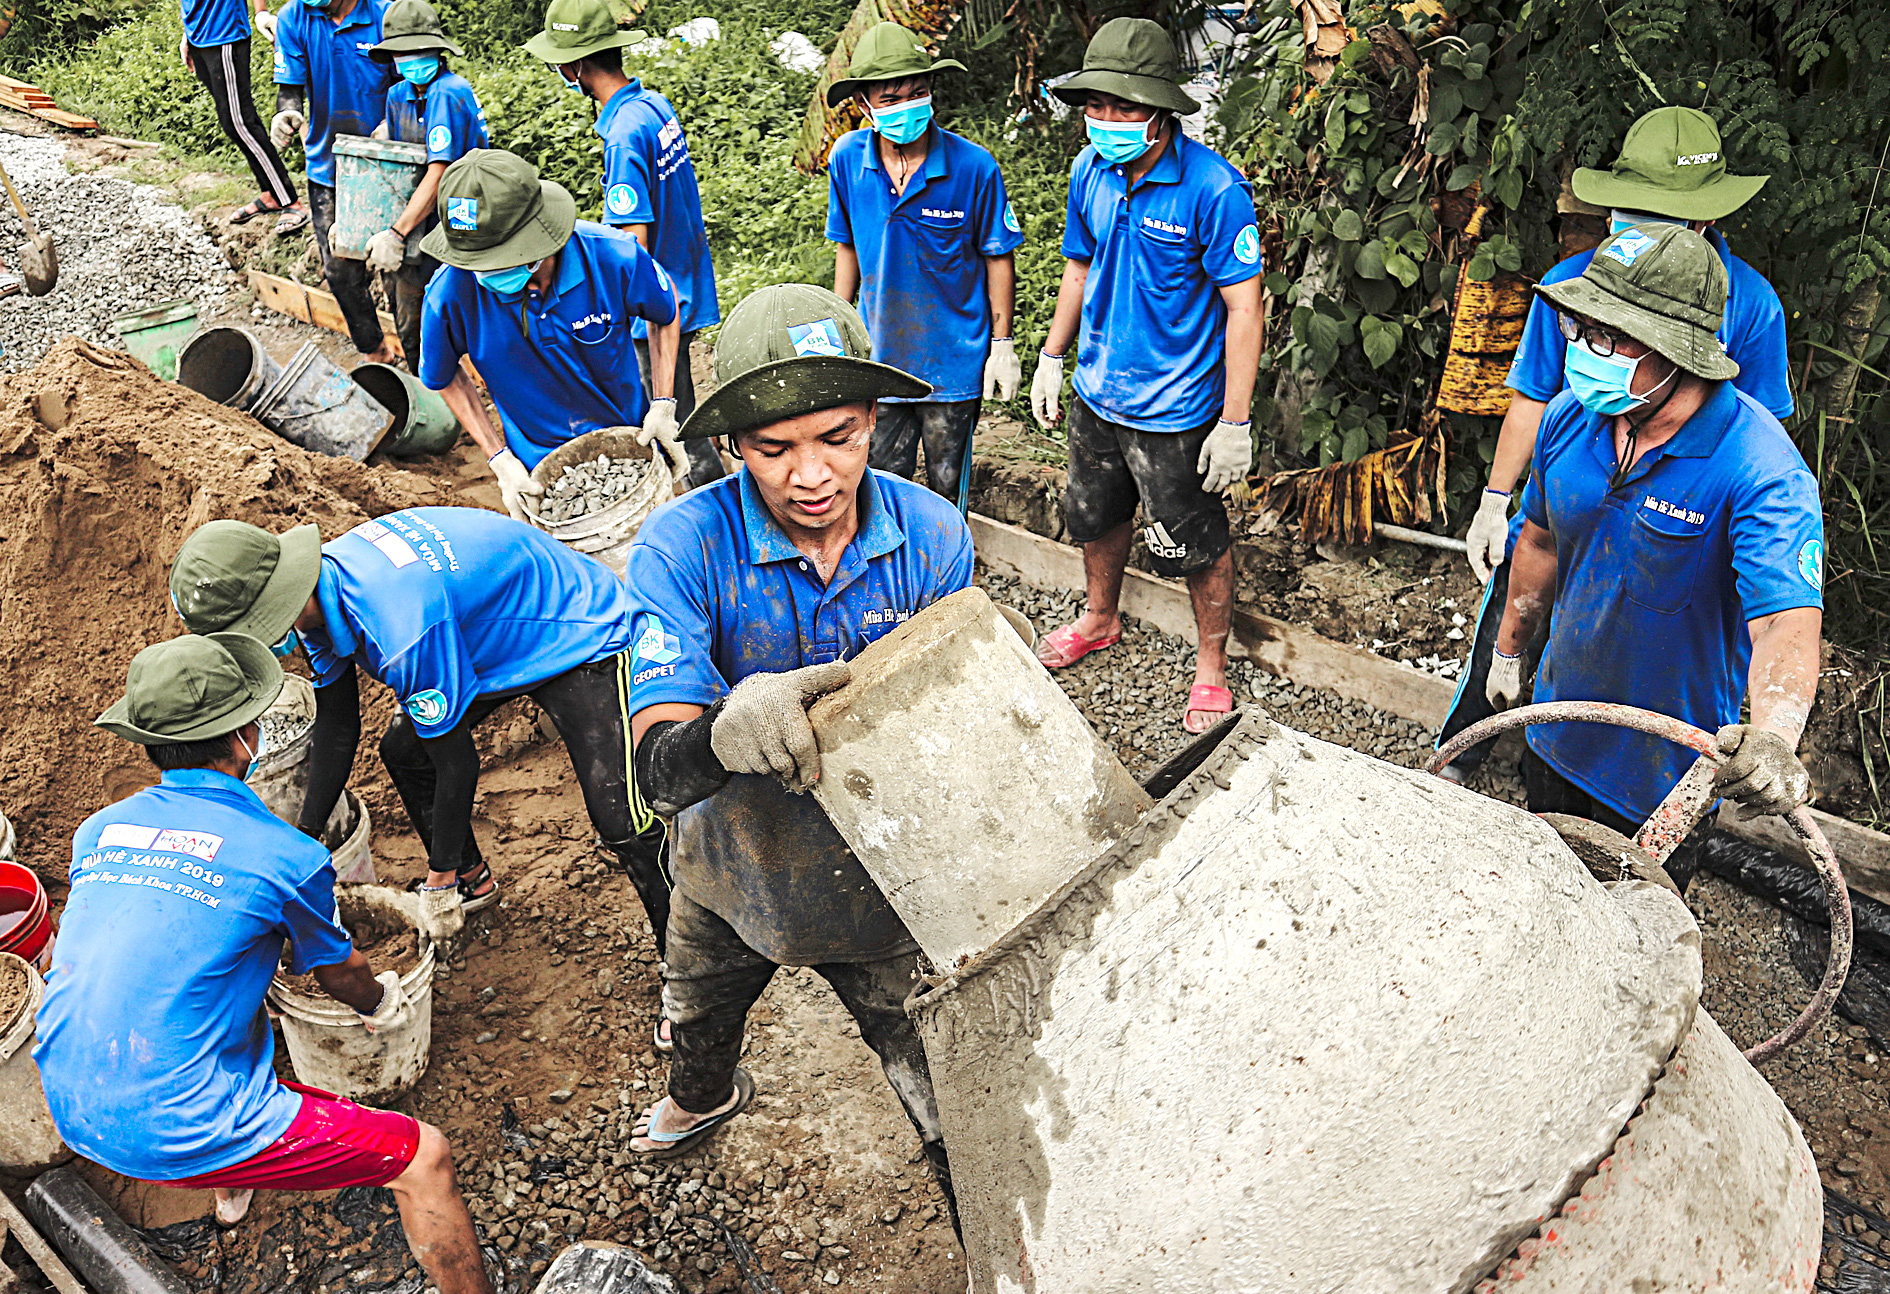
<point>1113,467</point>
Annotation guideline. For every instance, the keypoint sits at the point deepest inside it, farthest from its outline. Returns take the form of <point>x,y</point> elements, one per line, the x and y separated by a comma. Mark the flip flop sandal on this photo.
<point>469,902</point>
<point>1205,698</point>
<point>676,1144</point>
<point>657,1040</point>
<point>293,218</point>
<point>1068,646</point>
<point>249,213</point>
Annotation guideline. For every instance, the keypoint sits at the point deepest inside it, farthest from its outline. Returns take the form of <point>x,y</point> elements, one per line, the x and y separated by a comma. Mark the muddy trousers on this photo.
<point>347,279</point>
<point>224,71</point>
<point>1549,792</point>
<point>944,427</point>
<point>587,705</point>
<point>406,290</point>
<point>710,980</point>
<point>705,464</point>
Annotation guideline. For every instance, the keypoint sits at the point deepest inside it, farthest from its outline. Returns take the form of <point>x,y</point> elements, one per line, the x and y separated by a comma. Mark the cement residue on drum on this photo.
<point>16,985</point>
<point>592,486</point>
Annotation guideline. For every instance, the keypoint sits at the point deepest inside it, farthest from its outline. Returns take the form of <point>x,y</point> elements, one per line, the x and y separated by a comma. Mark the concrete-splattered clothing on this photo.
<point>1657,578</point>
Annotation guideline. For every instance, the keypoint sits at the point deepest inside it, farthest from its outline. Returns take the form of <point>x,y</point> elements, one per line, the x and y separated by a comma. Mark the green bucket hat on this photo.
<point>1671,165</point>
<point>1133,59</point>
<point>788,350</point>
<point>1662,285</point>
<point>496,213</point>
<point>233,577</point>
<point>888,52</point>
<point>193,689</point>
<point>411,27</point>
<point>576,29</point>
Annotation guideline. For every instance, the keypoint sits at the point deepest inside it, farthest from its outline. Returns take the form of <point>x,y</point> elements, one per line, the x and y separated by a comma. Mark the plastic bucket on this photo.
<point>6,838</point>
<point>347,836</point>
<point>374,180</point>
<point>227,364</point>
<point>156,335</point>
<point>317,406</point>
<point>280,777</point>
<point>25,915</point>
<point>422,422</point>
<point>329,1048</point>
<point>29,1143</point>
<point>606,533</point>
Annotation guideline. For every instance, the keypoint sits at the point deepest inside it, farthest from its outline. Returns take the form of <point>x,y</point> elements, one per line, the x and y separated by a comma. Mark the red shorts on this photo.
<point>332,1143</point>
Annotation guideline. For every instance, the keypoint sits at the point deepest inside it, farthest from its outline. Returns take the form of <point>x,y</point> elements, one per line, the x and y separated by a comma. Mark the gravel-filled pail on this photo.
<point>606,533</point>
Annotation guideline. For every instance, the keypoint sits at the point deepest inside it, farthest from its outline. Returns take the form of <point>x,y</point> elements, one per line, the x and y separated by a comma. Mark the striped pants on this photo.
<point>224,71</point>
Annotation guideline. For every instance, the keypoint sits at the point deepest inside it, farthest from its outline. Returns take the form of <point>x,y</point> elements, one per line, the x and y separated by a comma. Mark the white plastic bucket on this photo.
<point>606,533</point>
<point>328,1046</point>
<point>29,1143</point>
<point>281,775</point>
<point>348,834</point>
<point>6,839</point>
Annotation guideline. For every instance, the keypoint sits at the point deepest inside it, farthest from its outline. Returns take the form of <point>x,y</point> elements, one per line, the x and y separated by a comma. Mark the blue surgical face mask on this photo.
<point>904,122</point>
<point>1604,383</point>
<point>418,69</point>
<point>286,648</point>
<point>576,87</point>
<point>1119,142</point>
<point>507,283</point>
<point>1620,220</point>
<point>255,756</point>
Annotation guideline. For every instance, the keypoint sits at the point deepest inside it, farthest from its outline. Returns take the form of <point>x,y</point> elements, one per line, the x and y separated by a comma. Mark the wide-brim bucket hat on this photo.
<point>887,52</point>
<point>576,29</point>
<point>232,577</point>
<point>194,688</point>
<point>495,213</point>
<point>1662,285</point>
<point>788,350</point>
<point>1133,59</point>
<point>411,27</point>
<point>1671,164</point>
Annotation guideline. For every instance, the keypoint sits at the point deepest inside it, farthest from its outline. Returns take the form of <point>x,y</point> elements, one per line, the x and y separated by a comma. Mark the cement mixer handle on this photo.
<point>1676,815</point>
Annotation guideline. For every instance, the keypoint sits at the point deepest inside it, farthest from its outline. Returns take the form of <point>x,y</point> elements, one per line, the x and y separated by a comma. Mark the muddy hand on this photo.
<point>394,1010</point>
<point>763,726</point>
<point>1761,773</point>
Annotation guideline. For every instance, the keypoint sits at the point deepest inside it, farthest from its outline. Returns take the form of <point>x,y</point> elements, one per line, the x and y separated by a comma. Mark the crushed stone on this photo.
<point>592,486</point>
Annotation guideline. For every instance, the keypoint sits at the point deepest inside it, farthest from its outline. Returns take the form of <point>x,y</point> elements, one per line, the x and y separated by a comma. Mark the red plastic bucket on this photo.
<point>25,916</point>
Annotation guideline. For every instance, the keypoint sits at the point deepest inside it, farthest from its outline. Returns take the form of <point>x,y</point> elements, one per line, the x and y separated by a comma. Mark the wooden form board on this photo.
<point>22,97</point>
<point>311,305</point>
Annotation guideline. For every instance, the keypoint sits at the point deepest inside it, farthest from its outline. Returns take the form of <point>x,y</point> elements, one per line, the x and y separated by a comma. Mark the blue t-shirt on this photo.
<point>444,115</point>
<point>445,605</point>
<point>1656,580</point>
<point>556,368</point>
<point>650,180</point>
<point>215,22</point>
<point>1753,332</point>
<point>1153,349</point>
<point>921,252</point>
<point>719,592</point>
<point>153,1046</point>
<point>347,90</point>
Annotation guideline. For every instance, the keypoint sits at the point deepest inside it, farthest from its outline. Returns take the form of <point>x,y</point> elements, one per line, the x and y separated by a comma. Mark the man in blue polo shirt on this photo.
<point>429,105</point>
<point>457,610</point>
<point>1674,540</point>
<point>543,304</point>
<point>749,598</point>
<point>1162,276</point>
<point>925,236</point>
<point>1671,170</point>
<point>216,49</point>
<point>328,84</point>
<point>649,184</point>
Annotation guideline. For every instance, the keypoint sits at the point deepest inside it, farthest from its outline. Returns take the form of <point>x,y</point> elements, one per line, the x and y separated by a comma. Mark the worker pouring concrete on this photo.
<point>542,303</point>
<point>649,185</point>
<point>1671,171</point>
<point>430,105</point>
<point>749,596</point>
<point>1673,541</point>
<point>1162,278</point>
<point>925,234</point>
<point>327,84</point>
<point>153,1048</point>
<point>456,610</point>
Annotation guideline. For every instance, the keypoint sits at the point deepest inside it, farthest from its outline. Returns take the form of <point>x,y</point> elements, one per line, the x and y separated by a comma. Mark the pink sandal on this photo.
<point>1205,698</point>
<point>1063,647</point>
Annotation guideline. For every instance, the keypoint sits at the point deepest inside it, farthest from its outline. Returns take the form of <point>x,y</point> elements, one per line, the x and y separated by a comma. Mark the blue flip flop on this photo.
<point>675,1144</point>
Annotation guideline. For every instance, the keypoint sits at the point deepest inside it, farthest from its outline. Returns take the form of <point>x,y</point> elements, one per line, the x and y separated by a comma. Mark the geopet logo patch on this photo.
<point>821,337</point>
<point>462,213</point>
<point>1010,219</point>
<point>1811,563</point>
<point>1628,246</point>
<point>1247,245</point>
<point>622,199</point>
<point>440,138</point>
<point>428,707</point>
<point>654,646</point>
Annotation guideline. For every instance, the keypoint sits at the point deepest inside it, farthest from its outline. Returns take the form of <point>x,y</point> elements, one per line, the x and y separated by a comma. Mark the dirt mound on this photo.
<point>104,470</point>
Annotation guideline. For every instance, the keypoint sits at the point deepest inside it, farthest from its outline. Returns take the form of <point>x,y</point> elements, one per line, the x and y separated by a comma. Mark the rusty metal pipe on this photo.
<point>1676,815</point>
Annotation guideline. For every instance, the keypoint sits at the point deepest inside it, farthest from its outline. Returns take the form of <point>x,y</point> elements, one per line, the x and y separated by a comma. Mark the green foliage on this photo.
<point>42,27</point>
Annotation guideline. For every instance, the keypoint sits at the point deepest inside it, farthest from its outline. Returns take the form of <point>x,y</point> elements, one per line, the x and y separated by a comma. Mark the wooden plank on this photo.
<point>312,305</point>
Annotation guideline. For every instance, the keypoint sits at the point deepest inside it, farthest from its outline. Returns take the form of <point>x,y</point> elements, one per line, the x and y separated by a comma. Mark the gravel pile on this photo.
<point>592,486</point>
<point>121,248</point>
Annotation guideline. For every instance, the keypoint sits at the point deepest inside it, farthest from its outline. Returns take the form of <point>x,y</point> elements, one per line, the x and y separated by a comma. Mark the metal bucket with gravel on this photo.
<point>229,365</point>
<point>598,490</point>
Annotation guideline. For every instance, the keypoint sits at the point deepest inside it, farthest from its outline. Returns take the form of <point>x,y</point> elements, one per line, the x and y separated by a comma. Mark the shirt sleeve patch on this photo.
<point>1811,563</point>
<point>1247,245</point>
<point>621,200</point>
<point>1010,219</point>
<point>440,138</point>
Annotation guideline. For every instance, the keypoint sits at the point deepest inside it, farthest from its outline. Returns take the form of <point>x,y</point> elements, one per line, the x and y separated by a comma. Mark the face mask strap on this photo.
<point>1648,413</point>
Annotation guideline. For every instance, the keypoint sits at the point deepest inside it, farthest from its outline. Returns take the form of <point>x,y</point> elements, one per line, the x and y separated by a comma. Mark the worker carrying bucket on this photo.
<point>154,1051</point>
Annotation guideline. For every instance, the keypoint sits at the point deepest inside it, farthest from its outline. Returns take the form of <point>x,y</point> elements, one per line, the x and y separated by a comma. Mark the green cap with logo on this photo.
<point>887,52</point>
<point>1133,59</point>
<point>789,350</point>
<point>1671,165</point>
<point>1662,285</point>
<point>233,577</point>
<point>576,29</point>
<point>411,27</point>
<point>194,689</point>
<point>496,213</point>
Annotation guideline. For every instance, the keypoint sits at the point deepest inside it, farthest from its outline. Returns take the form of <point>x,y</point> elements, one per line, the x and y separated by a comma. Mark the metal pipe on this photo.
<point>1422,538</point>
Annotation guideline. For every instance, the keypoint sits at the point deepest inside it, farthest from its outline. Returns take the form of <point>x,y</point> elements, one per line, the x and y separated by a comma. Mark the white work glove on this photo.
<point>380,132</point>
<point>394,1010</point>
<point>386,252</point>
<point>1761,773</point>
<point>1002,373</point>
<point>515,483</point>
<point>763,726</point>
<point>659,425</point>
<point>266,24</point>
<point>1489,534</point>
<point>441,912</point>
<point>183,50</point>
<point>1046,389</point>
<point>286,127</point>
<point>1226,456</point>
<point>1504,685</point>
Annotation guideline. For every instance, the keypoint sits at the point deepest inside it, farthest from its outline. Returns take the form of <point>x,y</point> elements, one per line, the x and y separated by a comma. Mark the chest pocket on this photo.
<point>1663,561</point>
<point>1167,257</point>
<point>941,239</point>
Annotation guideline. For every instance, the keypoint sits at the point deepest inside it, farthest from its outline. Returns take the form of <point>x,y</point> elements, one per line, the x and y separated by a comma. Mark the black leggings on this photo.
<point>224,71</point>
<point>587,706</point>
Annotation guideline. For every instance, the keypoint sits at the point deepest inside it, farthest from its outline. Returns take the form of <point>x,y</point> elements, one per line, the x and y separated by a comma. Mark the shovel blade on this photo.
<point>39,265</point>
